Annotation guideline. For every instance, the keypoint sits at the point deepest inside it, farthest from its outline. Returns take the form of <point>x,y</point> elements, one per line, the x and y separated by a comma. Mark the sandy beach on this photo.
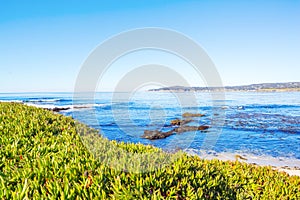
<point>290,166</point>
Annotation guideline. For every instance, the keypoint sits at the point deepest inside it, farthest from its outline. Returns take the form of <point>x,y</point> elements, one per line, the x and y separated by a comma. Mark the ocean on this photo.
<point>246,123</point>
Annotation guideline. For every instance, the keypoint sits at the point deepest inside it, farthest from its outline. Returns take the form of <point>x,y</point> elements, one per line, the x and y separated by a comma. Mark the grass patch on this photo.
<point>43,157</point>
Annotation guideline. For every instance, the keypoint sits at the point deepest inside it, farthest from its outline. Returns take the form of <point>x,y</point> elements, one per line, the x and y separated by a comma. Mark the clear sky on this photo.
<point>44,43</point>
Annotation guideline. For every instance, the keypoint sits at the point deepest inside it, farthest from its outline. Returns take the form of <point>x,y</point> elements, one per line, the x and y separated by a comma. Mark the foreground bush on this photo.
<point>42,156</point>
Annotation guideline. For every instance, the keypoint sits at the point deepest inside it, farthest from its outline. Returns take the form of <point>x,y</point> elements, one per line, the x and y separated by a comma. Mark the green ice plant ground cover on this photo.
<point>42,156</point>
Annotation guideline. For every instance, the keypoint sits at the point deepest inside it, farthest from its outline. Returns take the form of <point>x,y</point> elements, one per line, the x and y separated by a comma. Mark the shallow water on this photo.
<point>254,123</point>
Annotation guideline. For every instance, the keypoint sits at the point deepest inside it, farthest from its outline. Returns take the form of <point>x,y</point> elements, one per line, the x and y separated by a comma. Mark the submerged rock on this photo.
<point>187,114</point>
<point>203,127</point>
<point>179,122</point>
<point>183,129</point>
<point>153,135</point>
<point>56,109</point>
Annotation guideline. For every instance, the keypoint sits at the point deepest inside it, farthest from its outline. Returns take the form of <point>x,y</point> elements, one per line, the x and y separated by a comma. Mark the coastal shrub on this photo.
<point>42,156</point>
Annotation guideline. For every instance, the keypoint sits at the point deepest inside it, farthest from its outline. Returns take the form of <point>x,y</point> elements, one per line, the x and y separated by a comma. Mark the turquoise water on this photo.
<point>256,123</point>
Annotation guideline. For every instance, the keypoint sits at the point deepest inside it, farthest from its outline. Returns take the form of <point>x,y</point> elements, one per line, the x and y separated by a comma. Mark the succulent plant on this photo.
<point>42,156</point>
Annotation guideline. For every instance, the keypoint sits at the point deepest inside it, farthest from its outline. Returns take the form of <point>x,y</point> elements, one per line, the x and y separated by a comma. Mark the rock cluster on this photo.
<point>192,114</point>
<point>180,127</point>
<point>58,109</point>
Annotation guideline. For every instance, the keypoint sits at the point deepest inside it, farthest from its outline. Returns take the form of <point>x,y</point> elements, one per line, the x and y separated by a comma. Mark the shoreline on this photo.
<point>227,91</point>
<point>290,166</point>
<point>281,164</point>
<point>259,87</point>
<point>51,160</point>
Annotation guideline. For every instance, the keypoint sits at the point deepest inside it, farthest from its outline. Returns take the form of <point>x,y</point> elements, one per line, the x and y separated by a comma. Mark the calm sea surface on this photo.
<point>256,123</point>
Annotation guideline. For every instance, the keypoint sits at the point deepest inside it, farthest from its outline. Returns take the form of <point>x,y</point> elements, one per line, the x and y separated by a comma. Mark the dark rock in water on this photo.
<point>203,127</point>
<point>156,134</point>
<point>179,122</point>
<point>176,122</point>
<point>56,109</point>
<point>192,115</point>
<point>153,135</point>
<point>183,129</point>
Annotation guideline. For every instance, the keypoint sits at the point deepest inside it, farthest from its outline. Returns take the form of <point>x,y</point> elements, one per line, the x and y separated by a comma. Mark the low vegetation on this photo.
<point>42,156</point>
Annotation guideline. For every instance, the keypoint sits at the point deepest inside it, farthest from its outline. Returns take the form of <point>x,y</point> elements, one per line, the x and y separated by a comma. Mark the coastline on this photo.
<point>290,166</point>
<point>281,164</point>
<point>51,149</point>
<point>229,91</point>
<point>261,87</point>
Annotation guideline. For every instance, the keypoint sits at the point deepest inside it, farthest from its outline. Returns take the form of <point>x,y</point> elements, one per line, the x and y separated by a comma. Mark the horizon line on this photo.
<point>108,91</point>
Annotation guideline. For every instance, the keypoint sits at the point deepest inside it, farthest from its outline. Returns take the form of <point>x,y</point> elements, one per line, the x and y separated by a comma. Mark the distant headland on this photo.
<point>262,87</point>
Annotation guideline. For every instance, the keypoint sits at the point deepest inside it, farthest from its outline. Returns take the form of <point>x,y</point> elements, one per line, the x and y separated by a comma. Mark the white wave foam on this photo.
<point>16,101</point>
<point>67,107</point>
<point>43,100</point>
<point>45,106</point>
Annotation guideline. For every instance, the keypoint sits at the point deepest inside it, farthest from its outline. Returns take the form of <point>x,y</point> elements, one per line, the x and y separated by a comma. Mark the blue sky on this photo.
<point>44,43</point>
